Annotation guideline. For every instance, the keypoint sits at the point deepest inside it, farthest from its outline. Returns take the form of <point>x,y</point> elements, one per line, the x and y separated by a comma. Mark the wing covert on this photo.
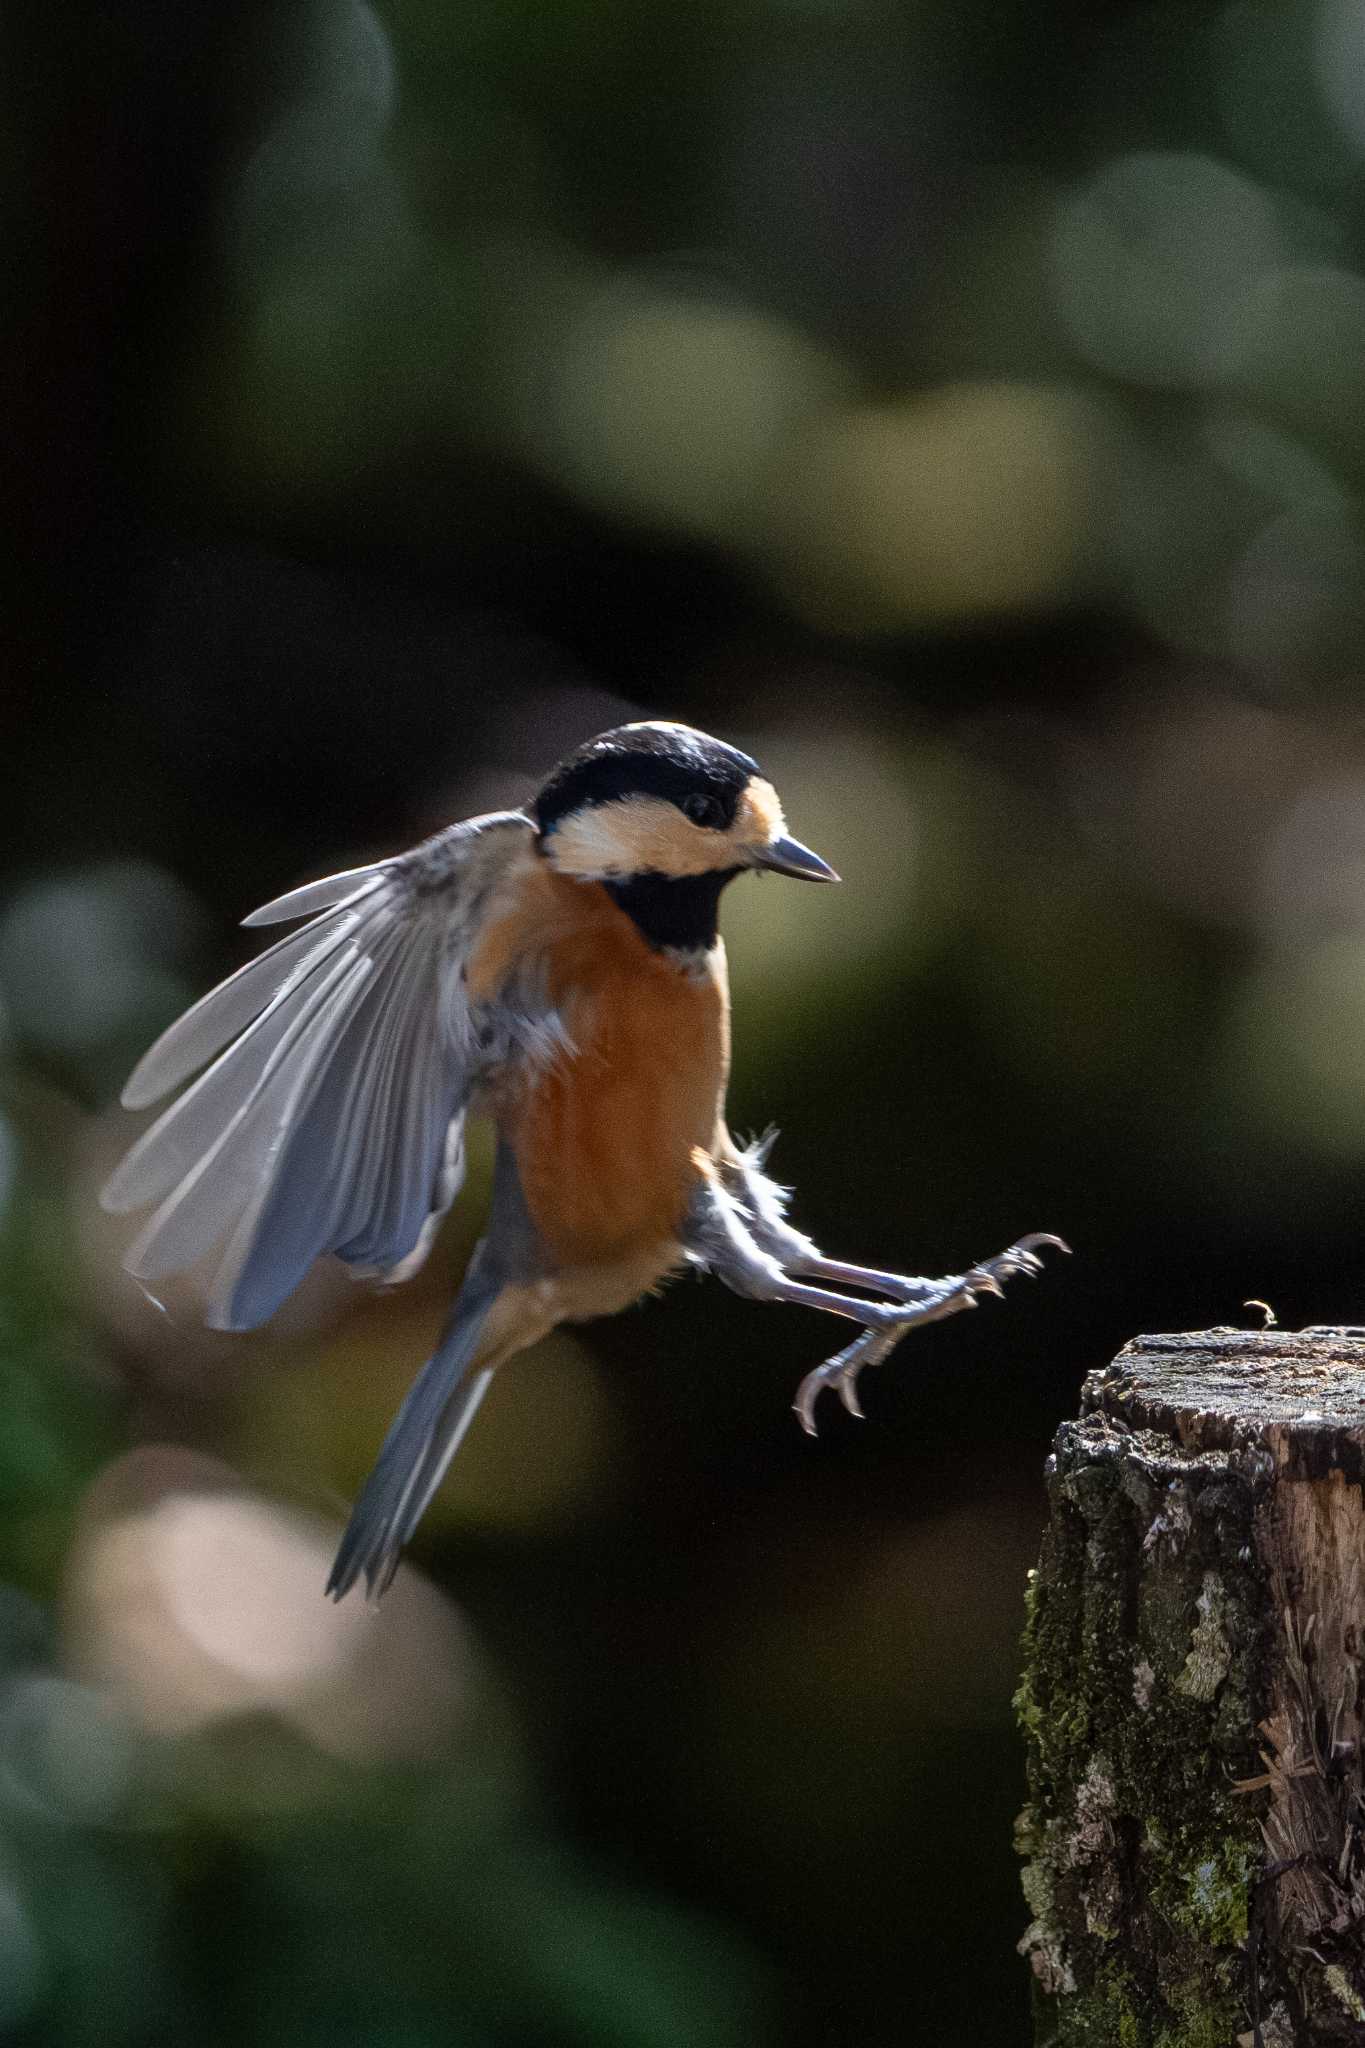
<point>330,1117</point>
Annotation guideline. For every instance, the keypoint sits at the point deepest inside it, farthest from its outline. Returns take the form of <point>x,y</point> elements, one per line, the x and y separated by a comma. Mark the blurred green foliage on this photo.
<point>60,1424</point>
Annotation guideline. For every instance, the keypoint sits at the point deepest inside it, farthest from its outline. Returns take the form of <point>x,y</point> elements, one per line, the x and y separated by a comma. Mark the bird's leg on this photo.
<point>931,1301</point>
<point>764,1204</point>
<point>720,1237</point>
<point>898,1286</point>
<point>761,1205</point>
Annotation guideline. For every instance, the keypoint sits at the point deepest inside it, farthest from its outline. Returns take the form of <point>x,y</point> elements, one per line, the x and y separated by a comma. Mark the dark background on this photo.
<point>961,407</point>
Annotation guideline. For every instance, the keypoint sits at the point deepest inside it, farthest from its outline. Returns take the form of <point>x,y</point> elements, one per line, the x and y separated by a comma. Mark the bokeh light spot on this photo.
<point>65,1752</point>
<point>1295,1057</point>
<point>543,1452</point>
<point>670,407</point>
<point>84,956</point>
<point>848,795</point>
<point>969,501</point>
<point>1151,260</point>
<point>1297,347</point>
<point>207,1602</point>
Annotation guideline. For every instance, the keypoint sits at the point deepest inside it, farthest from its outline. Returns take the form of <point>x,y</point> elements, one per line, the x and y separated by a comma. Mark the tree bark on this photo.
<point>1192,1700</point>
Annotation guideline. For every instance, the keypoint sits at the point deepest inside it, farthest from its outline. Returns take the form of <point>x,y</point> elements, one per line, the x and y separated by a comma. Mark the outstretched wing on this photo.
<point>342,1059</point>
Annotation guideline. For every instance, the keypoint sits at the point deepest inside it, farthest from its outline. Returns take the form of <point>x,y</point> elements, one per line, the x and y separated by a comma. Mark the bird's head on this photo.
<point>662,803</point>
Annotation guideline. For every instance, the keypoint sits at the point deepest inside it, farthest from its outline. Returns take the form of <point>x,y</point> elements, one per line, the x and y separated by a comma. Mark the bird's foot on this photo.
<point>925,1302</point>
<point>989,1276</point>
<point>841,1373</point>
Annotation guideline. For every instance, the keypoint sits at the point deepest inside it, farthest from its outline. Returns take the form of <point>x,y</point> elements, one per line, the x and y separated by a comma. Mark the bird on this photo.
<point>559,971</point>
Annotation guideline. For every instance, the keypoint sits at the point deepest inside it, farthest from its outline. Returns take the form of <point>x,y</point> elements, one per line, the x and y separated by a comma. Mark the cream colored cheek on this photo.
<point>675,846</point>
<point>632,840</point>
<point>643,835</point>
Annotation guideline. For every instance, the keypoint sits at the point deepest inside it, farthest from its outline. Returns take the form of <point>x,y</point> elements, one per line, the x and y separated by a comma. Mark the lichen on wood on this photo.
<point>1192,1701</point>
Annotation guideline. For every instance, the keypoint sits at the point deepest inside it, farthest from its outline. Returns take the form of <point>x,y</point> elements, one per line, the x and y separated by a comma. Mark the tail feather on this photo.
<point>423,1438</point>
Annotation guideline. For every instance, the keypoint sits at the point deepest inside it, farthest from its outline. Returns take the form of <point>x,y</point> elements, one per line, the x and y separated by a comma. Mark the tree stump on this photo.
<point>1192,1700</point>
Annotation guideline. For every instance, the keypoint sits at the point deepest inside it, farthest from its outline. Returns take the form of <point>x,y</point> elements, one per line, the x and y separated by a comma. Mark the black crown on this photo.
<point>672,762</point>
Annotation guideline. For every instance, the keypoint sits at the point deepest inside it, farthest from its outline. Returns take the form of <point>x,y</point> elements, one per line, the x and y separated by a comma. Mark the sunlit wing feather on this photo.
<point>342,1061</point>
<point>321,895</point>
<point>226,1010</point>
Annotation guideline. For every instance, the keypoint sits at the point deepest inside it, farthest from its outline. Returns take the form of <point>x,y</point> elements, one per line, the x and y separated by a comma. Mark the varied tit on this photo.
<point>558,971</point>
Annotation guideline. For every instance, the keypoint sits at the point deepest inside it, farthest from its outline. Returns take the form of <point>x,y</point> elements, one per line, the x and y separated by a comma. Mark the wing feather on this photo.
<point>312,1202</point>
<point>210,1197</point>
<point>323,895</point>
<point>342,1060</point>
<point>179,1137</point>
<point>218,1017</point>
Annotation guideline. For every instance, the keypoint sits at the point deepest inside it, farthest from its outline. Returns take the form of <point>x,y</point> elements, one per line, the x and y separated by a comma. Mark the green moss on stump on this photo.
<point>1143,1626</point>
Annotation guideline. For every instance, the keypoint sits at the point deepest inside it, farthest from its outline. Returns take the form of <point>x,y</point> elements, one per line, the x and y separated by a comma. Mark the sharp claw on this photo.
<point>808,1395</point>
<point>929,1300</point>
<point>1020,1260</point>
<point>839,1372</point>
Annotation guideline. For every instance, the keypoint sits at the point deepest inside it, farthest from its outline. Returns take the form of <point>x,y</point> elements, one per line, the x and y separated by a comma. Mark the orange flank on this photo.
<point>604,1134</point>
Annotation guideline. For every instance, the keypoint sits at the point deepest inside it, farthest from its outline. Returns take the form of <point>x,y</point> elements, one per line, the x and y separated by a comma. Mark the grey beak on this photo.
<point>790,857</point>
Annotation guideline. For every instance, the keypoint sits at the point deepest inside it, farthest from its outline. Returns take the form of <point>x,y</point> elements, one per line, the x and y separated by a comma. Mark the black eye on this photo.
<point>702,809</point>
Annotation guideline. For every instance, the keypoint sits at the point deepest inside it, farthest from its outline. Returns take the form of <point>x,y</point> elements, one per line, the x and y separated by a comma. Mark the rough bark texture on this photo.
<point>1192,1701</point>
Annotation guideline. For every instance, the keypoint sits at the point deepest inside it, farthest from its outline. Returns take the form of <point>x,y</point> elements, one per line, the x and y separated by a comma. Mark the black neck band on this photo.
<point>679,913</point>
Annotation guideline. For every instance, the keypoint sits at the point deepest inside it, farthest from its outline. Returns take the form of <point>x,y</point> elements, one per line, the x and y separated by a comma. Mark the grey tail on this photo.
<point>423,1438</point>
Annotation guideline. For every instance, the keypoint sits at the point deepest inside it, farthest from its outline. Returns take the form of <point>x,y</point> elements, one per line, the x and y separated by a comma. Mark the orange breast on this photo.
<point>604,1135</point>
